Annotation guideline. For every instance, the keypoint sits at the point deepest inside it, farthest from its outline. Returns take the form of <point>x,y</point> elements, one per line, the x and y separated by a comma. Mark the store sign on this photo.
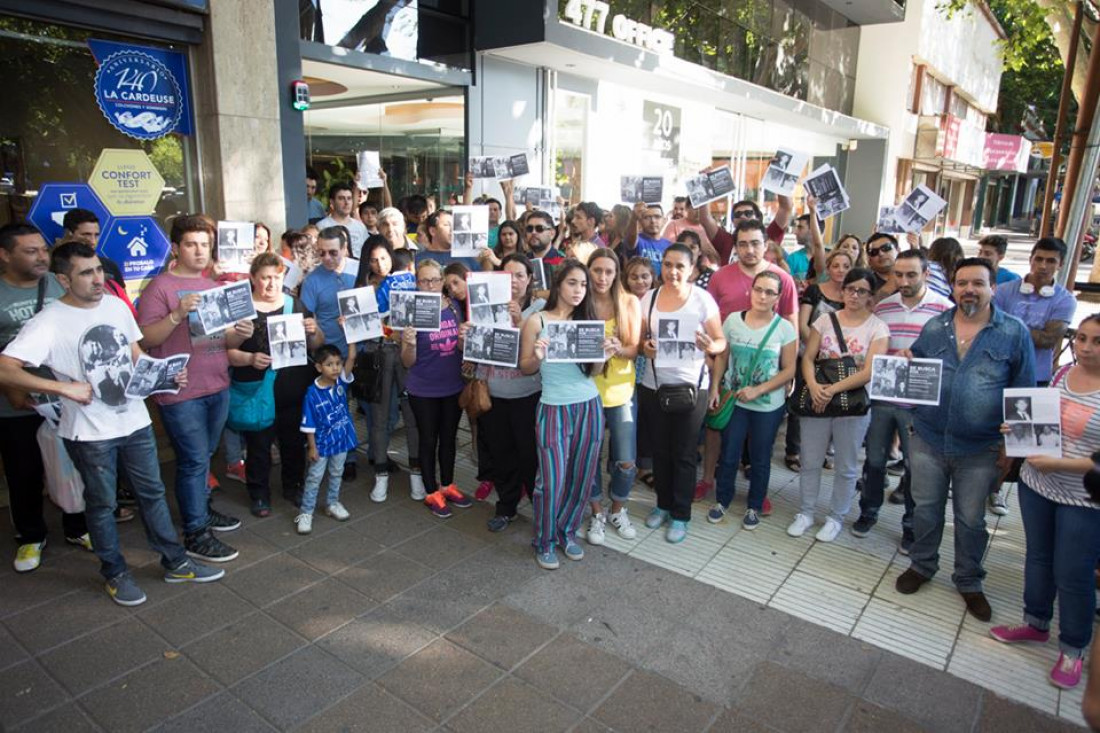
<point>138,246</point>
<point>1006,152</point>
<point>661,125</point>
<point>127,182</point>
<point>592,15</point>
<point>142,91</point>
<point>54,200</point>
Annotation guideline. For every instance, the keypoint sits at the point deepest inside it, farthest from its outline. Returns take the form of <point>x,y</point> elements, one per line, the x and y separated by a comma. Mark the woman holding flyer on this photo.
<point>508,239</point>
<point>251,362</point>
<point>852,331</point>
<point>1062,519</point>
<point>434,382</point>
<point>672,399</point>
<point>757,367</point>
<point>569,420</point>
<point>622,318</point>
<point>508,427</point>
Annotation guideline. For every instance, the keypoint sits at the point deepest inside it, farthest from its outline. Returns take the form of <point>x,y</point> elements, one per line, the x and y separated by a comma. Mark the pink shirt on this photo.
<point>732,288</point>
<point>208,367</point>
<point>675,226</point>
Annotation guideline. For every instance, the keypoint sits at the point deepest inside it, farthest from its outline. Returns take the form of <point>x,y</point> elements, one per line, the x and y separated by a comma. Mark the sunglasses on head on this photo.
<point>873,251</point>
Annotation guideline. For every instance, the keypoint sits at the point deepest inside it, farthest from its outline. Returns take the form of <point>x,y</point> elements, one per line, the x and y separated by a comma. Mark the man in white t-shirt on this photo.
<point>342,198</point>
<point>91,343</point>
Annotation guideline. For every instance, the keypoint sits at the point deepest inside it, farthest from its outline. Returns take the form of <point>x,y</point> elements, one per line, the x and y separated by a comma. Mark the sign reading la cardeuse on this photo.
<point>142,91</point>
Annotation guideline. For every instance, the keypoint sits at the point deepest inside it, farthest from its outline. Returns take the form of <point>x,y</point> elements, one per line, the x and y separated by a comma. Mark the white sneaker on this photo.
<point>621,522</point>
<point>381,489</point>
<point>417,492</point>
<point>829,530</point>
<point>801,523</point>
<point>997,503</point>
<point>595,534</point>
<point>304,522</point>
<point>337,512</point>
<point>29,556</point>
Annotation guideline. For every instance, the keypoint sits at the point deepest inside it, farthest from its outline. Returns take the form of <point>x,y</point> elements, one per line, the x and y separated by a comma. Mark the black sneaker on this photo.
<point>222,522</point>
<point>205,546</point>
<point>350,472</point>
<point>862,526</point>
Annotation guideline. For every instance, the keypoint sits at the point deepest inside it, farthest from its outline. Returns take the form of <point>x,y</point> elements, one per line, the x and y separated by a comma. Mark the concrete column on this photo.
<point>238,96</point>
<point>863,171</point>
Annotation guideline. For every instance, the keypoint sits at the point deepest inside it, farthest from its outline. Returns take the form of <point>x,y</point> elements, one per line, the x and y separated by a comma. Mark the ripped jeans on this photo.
<point>621,453</point>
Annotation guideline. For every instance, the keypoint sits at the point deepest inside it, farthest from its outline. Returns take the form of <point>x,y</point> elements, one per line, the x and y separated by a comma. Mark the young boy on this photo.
<point>330,432</point>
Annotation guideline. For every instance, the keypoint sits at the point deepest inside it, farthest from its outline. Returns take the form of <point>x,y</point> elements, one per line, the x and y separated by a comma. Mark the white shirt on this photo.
<point>700,306</point>
<point>91,345</point>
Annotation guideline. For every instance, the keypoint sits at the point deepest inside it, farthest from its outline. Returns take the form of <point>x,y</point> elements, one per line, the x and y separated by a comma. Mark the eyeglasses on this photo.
<point>330,253</point>
<point>873,251</point>
<point>852,290</point>
<point>537,228</point>
<point>765,292</point>
<point>429,280</point>
<point>744,214</point>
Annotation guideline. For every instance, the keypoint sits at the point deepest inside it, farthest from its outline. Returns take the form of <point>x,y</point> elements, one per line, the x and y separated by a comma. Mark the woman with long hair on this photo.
<point>674,435</point>
<point>864,336</point>
<point>622,317</point>
<point>508,242</point>
<point>569,419</point>
<point>638,279</point>
<point>1062,518</point>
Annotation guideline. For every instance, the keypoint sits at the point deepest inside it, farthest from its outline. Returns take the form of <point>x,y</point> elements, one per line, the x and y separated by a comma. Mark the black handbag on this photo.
<point>851,403</point>
<point>673,398</point>
<point>367,385</point>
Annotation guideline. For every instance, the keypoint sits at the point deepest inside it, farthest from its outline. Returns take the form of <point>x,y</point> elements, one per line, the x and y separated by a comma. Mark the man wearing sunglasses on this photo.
<point>724,242</point>
<point>539,235</point>
<point>882,250</point>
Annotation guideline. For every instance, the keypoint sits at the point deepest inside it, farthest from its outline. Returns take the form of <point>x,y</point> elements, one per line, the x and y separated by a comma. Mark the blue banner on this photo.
<point>138,246</point>
<point>142,91</point>
<point>54,200</point>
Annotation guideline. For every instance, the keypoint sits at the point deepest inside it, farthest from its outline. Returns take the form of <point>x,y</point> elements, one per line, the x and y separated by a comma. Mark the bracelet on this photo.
<point>172,318</point>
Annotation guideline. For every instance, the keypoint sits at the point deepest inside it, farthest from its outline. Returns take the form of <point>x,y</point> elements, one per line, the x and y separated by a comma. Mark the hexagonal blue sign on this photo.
<point>54,200</point>
<point>137,245</point>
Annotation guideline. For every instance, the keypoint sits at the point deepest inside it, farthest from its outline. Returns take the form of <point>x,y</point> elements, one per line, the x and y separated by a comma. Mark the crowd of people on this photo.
<point>765,336</point>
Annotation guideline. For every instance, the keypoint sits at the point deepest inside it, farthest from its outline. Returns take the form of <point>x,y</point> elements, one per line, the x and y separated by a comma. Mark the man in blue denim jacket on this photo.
<point>957,444</point>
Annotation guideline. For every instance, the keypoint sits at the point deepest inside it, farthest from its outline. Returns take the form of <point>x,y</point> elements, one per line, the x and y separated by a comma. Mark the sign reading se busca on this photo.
<point>138,93</point>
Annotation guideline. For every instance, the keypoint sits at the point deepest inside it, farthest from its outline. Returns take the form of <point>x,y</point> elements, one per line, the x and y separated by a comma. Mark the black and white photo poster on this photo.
<point>471,230</point>
<point>644,189</point>
<point>1034,419</point>
<point>491,345</point>
<point>359,307</point>
<point>539,280</point>
<point>888,221</point>
<point>487,297</point>
<point>292,275</point>
<point>511,166</point>
<point>370,165</point>
<point>575,341</point>
<point>287,337</point>
<point>906,381</point>
<point>221,307</point>
<point>236,245</point>
<point>783,172</point>
<point>417,310</point>
<point>676,340</point>
<point>155,376</point>
<point>919,207</point>
<point>481,166</point>
<point>710,186</point>
<point>824,185</point>
<point>534,195</point>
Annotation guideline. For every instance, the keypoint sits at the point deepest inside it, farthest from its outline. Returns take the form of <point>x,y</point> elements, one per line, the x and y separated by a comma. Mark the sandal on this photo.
<point>793,463</point>
<point>261,509</point>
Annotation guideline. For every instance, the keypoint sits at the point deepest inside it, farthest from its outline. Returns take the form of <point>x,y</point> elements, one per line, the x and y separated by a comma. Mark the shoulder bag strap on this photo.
<point>41,294</point>
<point>649,334</point>
<point>839,334</point>
<point>760,347</point>
<point>1060,375</point>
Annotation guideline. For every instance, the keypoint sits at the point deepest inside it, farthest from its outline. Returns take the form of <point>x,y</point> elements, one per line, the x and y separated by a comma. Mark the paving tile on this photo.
<point>272,579</point>
<point>587,725</point>
<point>56,577</point>
<point>148,695</point>
<point>370,709</point>
<point>242,648</point>
<point>999,714</point>
<point>439,679</point>
<point>827,655</point>
<point>931,698</point>
<point>26,691</point>
<point>648,702</point>
<point>385,575</point>
<point>277,530</point>
<point>907,632</point>
<point>253,547</point>
<point>397,525</point>
<point>1016,672</point>
<point>514,706</point>
<point>63,619</point>
<point>502,635</point>
<point>745,573</point>
<point>321,608</point>
<point>624,628</point>
<point>291,690</point>
<point>821,601</point>
<point>10,650</point>
<point>376,642</point>
<point>553,668</point>
<point>734,720</point>
<point>69,718</point>
<point>216,714</point>
<point>336,550</point>
<point>204,609</point>
<point>440,547</point>
<point>686,558</point>
<point>788,699</point>
<point>867,717</point>
<point>856,570</point>
<point>103,655</point>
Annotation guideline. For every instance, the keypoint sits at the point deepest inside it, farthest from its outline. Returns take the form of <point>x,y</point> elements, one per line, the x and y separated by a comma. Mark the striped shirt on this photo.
<point>906,323</point>
<point>1080,439</point>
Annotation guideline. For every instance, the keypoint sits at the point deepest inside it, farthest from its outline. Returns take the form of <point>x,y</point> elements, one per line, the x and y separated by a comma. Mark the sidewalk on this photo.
<point>397,621</point>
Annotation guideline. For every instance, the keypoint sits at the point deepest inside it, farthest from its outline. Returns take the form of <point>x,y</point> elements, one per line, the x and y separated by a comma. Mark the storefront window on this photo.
<point>52,130</point>
<point>570,127</point>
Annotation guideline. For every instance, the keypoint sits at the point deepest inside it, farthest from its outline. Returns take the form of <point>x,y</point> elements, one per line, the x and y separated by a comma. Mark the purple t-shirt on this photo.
<point>438,368</point>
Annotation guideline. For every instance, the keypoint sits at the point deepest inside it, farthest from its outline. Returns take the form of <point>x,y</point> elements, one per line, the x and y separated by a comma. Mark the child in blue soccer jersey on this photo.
<point>330,432</point>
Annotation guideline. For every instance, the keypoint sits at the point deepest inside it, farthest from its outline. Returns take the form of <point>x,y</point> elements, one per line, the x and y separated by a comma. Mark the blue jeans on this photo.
<point>314,474</point>
<point>98,462</point>
<point>968,476</point>
<point>621,452</point>
<point>234,447</point>
<point>1063,543</point>
<point>194,427</point>
<point>885,420</point>
<point>761,429</point>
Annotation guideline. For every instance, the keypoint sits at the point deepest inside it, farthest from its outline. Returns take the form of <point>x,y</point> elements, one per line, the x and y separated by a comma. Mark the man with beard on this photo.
<point>882,251</point>
<point>955,444</point>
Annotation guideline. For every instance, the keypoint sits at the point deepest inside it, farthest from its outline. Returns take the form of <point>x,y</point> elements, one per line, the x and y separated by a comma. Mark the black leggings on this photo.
<point>437,425</point>
<point>509,429</point>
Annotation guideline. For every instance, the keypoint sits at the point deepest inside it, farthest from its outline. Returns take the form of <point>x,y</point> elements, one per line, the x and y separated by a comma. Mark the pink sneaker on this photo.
<point>701,490</point>
<point>1017,634</point>
<point>483,490</point>
<point>1067,672</point>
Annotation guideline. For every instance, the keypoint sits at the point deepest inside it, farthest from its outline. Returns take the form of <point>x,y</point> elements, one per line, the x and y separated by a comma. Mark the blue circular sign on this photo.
<point>138,95</point>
